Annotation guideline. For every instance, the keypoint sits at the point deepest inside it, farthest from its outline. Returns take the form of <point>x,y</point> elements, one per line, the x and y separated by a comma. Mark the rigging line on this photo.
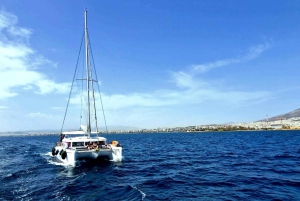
<point>83,110</point>
<point>71,87</point>
<point>95,111</point>
<point>98,87</point>
<point>80,101</point>
<point>81,91</point>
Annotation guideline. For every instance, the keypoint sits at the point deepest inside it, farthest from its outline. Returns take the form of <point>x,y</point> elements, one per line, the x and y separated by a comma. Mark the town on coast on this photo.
<point>282,124</point>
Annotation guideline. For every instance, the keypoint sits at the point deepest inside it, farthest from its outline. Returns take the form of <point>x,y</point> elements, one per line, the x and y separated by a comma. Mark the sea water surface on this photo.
<point>261,165</point>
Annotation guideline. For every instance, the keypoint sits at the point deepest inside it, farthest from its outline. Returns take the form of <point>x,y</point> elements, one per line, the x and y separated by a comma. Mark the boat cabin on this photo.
<point>79,142</point>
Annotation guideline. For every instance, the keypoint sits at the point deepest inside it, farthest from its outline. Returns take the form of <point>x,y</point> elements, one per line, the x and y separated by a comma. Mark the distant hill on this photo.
<point>295,113</point>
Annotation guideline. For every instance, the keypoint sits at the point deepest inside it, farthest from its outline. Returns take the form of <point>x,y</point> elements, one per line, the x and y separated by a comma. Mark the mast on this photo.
<point>87,74</point>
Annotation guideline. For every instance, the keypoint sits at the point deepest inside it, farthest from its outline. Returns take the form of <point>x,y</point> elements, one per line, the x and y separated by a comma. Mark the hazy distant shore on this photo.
<point>123,132</point>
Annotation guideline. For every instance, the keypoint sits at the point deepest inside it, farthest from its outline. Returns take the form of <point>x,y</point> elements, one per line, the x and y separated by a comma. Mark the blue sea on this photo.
<point>261,165</point>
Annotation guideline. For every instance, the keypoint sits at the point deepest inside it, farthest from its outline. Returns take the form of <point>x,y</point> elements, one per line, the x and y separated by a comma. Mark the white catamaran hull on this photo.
<point>74,155</point>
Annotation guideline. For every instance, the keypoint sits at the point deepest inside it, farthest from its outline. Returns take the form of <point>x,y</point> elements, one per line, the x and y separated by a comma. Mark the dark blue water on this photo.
<point>177,166</point>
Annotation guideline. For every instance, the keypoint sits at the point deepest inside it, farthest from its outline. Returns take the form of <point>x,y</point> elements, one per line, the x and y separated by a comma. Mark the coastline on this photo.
<point>123,132</point>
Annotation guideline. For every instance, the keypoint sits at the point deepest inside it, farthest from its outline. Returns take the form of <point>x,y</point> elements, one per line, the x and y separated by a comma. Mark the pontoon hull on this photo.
<point>75,155</point>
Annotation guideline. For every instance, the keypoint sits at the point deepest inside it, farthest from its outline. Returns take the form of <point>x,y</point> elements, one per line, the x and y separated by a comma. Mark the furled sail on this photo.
<point>83,128</point>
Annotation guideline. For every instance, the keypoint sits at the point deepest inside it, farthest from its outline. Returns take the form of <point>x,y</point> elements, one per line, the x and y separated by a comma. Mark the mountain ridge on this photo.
<point>292,114</point>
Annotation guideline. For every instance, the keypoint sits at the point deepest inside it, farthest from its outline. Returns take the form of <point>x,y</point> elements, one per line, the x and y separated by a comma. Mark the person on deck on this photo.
<point>95,146</point>
<point>89,146</point>
<point>62,136</point>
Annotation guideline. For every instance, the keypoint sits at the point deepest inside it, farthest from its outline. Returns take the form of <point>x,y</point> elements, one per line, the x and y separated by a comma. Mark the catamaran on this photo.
<point>85,144</point>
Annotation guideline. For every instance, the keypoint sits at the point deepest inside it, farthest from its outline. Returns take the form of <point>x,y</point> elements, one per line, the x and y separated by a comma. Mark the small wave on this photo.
<point>116,160</point>
<point>48,154</point>
<point>8,175</point>
<point>284,156</point>
<point>57,163</point>
<point>163,182</point>
<point>143,194</point>
<point>292,183</point>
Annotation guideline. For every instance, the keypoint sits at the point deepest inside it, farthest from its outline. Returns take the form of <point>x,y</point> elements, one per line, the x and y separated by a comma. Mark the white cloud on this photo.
<point>48,86</point>
<point>7,19</point>
<point>20,32</point>
<point>191,89</point>
<point>186,80</point>
<point>18,62</point>
<point>253,53</point>
<point>40,115</point>
<point>58,108</point>
<point>165,98</point>
<point>184,104</point>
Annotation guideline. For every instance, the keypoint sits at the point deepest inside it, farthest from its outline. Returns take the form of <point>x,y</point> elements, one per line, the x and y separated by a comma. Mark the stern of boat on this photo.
<point>116,154</point>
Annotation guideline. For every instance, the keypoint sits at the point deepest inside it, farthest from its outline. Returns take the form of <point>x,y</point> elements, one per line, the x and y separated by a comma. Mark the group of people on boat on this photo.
<point>95,145</point>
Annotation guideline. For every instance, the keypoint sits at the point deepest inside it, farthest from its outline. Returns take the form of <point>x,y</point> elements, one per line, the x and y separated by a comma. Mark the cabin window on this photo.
<point>101,143</point>
<point>77,144</point>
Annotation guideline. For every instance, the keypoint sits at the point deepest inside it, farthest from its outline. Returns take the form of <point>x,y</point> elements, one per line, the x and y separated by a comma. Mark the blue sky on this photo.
<point>160,63</point>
